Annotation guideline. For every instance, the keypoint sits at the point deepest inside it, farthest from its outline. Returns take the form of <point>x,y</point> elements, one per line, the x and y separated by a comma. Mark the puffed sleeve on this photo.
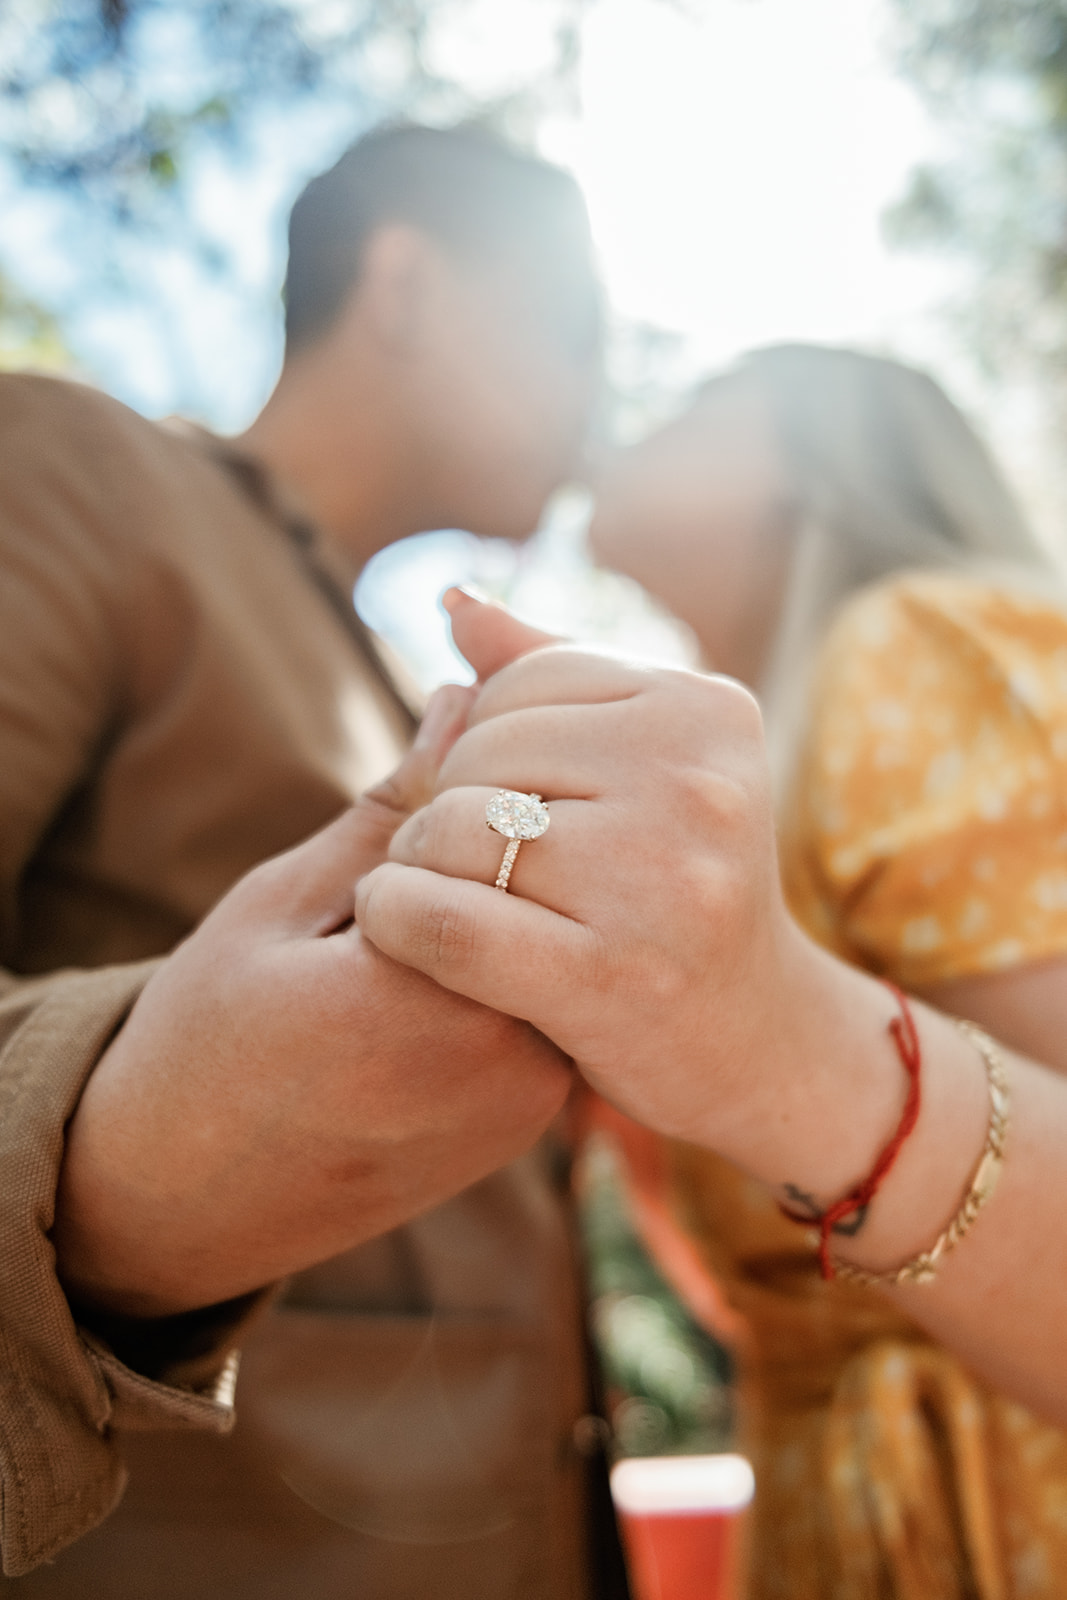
<point>926,837</point>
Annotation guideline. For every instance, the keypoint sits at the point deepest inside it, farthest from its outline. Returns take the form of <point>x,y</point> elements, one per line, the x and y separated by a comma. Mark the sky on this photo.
<point>736,156</point>
<point>737,167</point>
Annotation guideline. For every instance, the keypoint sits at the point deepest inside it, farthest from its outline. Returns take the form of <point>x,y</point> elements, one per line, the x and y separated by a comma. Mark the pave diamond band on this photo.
<point>517,817</point>
<point>506,865</point>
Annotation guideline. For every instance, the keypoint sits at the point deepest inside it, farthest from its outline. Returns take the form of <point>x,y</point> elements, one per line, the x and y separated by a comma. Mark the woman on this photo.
<point>802,476</point>
<point>924,843</point>
<point>795,478</point>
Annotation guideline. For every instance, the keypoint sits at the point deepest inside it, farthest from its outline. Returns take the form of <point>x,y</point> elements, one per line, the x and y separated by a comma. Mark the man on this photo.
<point>184,692</point>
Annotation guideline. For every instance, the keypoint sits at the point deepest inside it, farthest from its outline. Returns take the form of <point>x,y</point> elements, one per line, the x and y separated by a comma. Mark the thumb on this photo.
<point>308,890</point>
<point>487,634</point>
<point>411,785</point>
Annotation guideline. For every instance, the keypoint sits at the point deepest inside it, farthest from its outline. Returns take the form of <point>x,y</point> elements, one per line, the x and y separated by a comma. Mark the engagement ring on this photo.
<point>517,817</point>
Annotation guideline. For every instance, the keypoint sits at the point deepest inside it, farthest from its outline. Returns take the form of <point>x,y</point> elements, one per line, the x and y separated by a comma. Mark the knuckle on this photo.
<point>391,794</point>
<point>732,701</point>
<point>649,975</point>
<point>659,971</point>
<point>261,885</point>
<point>408,842</point>
<point>610,966</point>
<point>727,895</point>
<point>718,799</point>
<point>445,934</point>
<point>424,838</point>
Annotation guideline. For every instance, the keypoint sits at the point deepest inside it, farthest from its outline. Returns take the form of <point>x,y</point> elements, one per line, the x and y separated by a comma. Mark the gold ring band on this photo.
<point>517,817</point>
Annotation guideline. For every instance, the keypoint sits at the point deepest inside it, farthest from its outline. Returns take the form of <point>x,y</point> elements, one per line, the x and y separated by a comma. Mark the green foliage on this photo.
<point>666,1381</point>
<point>113,111</point>
<point>29,335</point>
<point>949,45</point>
<point>111,100</point>
<point>994,72</point>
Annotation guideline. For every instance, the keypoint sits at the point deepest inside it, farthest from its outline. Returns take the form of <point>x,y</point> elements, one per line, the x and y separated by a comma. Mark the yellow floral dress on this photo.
<point>928,840</point>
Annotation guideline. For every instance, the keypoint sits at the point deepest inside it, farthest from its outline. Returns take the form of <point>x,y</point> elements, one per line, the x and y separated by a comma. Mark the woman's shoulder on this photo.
<point>934,776</point>
<point>914,665</point>
<point>928,684</point>
<point>1001,621</point>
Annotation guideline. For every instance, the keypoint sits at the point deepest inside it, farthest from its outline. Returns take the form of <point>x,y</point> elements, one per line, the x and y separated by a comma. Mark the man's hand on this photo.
<point>282,1090</point>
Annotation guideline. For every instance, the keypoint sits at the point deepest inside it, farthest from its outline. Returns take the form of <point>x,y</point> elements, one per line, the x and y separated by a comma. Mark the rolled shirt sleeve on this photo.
<point>64,1389</point>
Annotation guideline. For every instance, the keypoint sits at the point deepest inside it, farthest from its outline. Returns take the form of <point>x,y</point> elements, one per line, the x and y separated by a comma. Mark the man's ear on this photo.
<point>395,284</point>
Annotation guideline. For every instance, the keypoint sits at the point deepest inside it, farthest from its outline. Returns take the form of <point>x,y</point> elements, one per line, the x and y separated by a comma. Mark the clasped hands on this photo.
<point>294,1079</point>
<point>643,931</point>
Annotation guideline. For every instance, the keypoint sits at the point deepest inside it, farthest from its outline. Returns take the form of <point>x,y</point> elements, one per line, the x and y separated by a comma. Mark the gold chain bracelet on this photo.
<point>923,1267</point>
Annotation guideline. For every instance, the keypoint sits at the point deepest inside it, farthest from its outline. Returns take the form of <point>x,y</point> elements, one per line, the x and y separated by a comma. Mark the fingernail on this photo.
<point>462,591</point>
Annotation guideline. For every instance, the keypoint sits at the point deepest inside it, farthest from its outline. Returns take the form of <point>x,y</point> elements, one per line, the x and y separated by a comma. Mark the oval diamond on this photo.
<point>517,816</point>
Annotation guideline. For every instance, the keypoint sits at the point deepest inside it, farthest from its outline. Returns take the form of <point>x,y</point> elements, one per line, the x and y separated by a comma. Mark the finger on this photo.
<point>571,752</point>
<point>444,719</point>
<point>412,783</point>
<point>565,675</point>
<point>451,837</point>
<point>586,750</point>
<point>667,698</point>
<point>487,634</point>
<point>307,891</point>
<point>503,951</point>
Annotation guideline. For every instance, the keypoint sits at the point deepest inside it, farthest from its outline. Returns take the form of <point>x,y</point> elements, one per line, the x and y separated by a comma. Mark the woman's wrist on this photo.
<point>829,1089</point>
<point>937,1162</point>
<point>820,1086</point>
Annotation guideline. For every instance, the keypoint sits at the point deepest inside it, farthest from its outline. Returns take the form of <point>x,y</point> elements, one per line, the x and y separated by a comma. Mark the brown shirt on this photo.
<point>178,700</point>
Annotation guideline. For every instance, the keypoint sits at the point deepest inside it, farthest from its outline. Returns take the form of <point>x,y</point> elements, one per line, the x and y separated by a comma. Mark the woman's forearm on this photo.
<point>999,1299</point>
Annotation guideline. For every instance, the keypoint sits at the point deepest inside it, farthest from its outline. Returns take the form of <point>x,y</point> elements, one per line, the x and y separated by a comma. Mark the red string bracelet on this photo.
<point>905,1036</point>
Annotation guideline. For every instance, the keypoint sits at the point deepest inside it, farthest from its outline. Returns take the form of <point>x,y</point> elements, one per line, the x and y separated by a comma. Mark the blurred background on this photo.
<point>885,173</point>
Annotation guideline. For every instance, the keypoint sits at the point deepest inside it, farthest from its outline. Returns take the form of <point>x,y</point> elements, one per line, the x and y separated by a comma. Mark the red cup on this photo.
<point>681,1521</point>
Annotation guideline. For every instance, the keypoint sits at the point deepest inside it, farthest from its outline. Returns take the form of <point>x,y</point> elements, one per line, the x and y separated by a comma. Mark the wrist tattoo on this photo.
<point>809,1208</point>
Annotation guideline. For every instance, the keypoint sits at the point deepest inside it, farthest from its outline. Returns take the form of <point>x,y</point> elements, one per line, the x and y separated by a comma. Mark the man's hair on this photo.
<point>471,192</point>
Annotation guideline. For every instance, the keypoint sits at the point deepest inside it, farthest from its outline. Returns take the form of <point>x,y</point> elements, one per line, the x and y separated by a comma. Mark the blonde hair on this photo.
<point>887,477</point>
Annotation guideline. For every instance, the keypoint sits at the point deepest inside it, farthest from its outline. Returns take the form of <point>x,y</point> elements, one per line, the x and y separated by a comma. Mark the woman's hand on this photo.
<point>654,887</point>
<point>645,932</point>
